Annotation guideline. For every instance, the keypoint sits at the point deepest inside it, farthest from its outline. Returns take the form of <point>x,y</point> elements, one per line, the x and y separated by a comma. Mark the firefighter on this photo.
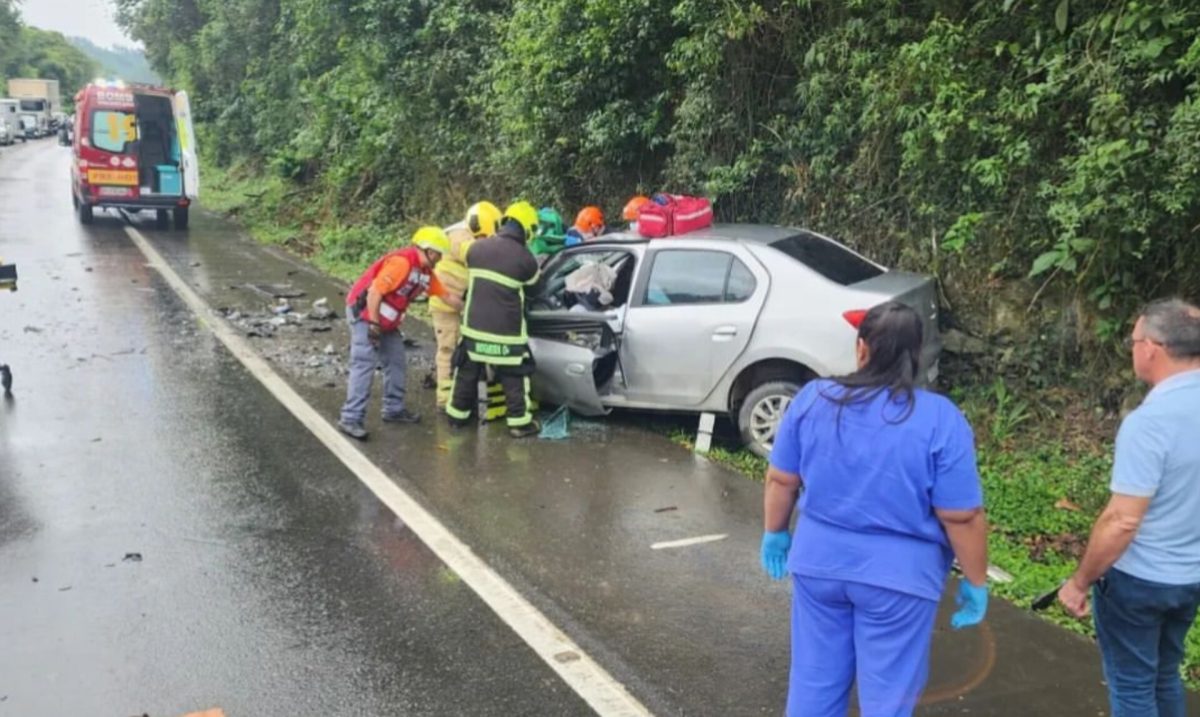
<point>493,328</point>
<point>375,307</point>
<point>481,221</point>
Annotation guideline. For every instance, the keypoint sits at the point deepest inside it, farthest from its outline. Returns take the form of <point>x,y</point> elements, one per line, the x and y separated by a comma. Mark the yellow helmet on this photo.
<point>524,214</point>
<point>432,238</point>
<point>483,219</point>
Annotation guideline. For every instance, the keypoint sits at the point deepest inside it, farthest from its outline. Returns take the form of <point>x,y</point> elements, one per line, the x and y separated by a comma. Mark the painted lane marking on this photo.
<point>582,674</point>
<point>688,541</point>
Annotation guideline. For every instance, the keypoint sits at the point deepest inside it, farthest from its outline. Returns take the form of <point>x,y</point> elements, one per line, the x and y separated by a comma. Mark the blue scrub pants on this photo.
<point>845,631</point>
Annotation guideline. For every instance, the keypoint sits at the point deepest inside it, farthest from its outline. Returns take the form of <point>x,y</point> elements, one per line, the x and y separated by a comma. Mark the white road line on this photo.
<point>688,541</point>
<point>587,678</point>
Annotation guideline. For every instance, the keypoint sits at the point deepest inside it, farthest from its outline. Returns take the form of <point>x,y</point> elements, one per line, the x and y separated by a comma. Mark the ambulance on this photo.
<point>135,150</point>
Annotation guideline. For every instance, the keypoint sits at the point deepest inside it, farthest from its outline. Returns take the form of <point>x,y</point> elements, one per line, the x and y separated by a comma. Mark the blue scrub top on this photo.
<point>872,479</point>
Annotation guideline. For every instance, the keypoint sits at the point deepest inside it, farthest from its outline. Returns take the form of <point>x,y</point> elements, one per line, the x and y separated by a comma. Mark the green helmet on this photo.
<point>550,223</point>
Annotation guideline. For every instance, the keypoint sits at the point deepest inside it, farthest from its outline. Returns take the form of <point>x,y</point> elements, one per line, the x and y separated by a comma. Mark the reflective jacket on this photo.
<point>498,270</point>
<point>395,303</point>
<point>451,271</point>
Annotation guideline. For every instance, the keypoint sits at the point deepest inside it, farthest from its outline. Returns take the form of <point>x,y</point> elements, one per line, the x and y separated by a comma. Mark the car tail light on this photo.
<point>855,317</point>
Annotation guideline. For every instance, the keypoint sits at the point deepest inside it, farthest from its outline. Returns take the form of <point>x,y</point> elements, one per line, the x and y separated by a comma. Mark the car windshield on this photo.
<point>827,258</point>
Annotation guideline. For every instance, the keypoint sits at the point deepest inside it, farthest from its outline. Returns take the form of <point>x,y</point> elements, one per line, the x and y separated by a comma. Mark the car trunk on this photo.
<point>919,292</point>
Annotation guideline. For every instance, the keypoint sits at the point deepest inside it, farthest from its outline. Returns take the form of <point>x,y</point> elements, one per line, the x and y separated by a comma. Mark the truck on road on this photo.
<point>37,97</point>
<point>10,119</point>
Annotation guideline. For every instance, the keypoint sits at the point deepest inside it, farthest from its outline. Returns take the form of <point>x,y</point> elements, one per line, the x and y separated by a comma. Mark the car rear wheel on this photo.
<point>761,412</point>
<point>181,218</point>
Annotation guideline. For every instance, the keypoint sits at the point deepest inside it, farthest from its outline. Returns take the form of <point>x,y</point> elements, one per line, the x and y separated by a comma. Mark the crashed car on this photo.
<point>730,320</point>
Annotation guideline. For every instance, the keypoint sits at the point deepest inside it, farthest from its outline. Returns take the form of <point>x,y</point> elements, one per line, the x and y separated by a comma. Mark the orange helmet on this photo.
<point>633,207</point>
<point>590,220</point>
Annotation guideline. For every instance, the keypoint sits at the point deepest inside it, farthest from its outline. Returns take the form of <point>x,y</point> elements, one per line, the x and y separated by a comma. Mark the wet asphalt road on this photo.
<point>272,582</point>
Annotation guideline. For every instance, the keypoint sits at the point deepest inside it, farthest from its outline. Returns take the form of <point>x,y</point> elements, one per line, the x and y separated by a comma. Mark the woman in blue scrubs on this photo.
<point>891,496</point>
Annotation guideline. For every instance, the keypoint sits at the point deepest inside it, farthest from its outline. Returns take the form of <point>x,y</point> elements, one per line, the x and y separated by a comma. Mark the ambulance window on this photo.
<point>113,131</point>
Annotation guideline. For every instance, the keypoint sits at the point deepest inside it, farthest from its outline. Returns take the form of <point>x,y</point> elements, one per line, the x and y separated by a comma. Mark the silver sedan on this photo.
<point>729,320</point>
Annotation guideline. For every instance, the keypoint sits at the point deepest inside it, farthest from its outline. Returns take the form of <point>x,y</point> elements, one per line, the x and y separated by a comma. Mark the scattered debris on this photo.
<point>320,329</point>
<point>97,439</point>
<point>132,558</point>
<point>195,263</point>
<point>64,588</point>
<point>566,656</point>
<point>32,330</point>
<point>410,343</point>
<point>35,579</point>
<point>276,291</point>
<point>283,307</point>
<point>430,381</point>
<point>87,268</point>
<point>666,509</point>
<point>328,350</point>
<point>320,310</point>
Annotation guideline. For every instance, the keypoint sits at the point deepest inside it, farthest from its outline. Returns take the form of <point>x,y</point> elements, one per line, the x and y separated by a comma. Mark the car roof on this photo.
<point>757,233</point>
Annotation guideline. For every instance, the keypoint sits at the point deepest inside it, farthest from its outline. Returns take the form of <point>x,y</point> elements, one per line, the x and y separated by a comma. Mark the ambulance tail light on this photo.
<point>855,317</point>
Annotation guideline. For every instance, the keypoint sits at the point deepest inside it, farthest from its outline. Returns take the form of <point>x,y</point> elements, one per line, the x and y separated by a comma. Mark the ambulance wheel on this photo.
<point>162,219</point>
<point>181,218</point>
<point>761,412</point>
<point>85,212</point>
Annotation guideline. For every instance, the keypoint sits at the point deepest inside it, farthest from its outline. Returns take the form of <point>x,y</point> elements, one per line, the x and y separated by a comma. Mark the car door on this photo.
<point>575,351</point>
<point>692,316</point>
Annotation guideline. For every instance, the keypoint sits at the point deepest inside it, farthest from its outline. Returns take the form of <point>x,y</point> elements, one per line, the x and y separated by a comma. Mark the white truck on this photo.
<point>37,97</point>
<point>10,120</point>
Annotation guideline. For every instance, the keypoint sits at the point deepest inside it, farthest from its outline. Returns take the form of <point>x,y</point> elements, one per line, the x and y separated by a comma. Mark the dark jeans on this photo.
<point>1141,626</point>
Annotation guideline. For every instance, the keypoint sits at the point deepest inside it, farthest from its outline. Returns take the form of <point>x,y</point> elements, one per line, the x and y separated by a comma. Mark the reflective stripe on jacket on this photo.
<point>395,303</point>
<point>499,269</point>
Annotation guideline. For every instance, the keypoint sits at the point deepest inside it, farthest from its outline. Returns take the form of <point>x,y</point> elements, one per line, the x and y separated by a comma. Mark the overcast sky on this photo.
<point>92,19</point>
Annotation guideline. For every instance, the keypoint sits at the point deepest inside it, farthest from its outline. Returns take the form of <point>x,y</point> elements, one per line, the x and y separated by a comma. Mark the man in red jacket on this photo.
<point>375,308</point>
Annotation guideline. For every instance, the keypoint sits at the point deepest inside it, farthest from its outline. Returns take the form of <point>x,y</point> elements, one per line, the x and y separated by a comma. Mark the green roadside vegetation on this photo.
<point>29,52</point>
<point>1037,156</point>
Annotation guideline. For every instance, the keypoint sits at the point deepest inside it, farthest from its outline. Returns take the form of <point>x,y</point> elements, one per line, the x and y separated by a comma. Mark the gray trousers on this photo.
<point>364,358</point>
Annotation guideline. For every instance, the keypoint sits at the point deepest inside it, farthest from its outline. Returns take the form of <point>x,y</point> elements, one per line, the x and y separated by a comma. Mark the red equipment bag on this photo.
<point>670,214</point>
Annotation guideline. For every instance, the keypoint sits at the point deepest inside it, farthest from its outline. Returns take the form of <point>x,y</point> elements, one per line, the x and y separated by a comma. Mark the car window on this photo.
<point>112,131</point>
<point>741,283</point>
<point>829,259</point>
<point>688,277</point>
<point>551,286</point>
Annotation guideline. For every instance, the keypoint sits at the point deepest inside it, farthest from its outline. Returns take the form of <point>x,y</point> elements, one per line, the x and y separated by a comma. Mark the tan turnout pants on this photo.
<point>446,331</point>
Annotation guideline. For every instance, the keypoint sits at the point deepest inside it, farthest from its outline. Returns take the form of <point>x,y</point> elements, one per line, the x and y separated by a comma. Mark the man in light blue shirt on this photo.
<point>1143,558</point>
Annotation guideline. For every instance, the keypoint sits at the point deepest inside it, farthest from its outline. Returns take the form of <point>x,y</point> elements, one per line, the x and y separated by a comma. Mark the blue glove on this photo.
<point>774,553</point>
<point>972,603</point>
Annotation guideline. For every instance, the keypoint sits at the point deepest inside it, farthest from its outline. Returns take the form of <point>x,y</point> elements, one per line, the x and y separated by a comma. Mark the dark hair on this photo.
<point>893,334</point>
<point>1175,324</point>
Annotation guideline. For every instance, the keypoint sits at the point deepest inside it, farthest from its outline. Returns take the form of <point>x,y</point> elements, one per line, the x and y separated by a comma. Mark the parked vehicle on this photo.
<point>134,149</point>
<point>10,117</point>
<point>30,128</point>
<point>730,320</point>
<point>6,137</point>
<point>38,97</point>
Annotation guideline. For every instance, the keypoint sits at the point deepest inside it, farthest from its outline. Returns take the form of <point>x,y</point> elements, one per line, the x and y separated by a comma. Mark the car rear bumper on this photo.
<point>140,203</point>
